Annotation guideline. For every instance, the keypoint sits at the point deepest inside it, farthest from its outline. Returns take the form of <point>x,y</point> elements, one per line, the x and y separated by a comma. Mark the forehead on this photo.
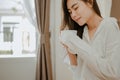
<point>70,3</point>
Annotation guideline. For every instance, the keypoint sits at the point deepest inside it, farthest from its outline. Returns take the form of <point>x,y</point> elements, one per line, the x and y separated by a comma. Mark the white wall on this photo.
<point>20,68</point>
<point>60,70</point>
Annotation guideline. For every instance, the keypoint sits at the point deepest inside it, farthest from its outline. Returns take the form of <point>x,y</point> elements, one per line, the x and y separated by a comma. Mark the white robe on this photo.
<point>98,58</point>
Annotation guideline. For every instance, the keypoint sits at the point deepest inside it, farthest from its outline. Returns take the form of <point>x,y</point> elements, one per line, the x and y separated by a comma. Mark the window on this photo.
<point>8,35</point>
<point>17,36</point>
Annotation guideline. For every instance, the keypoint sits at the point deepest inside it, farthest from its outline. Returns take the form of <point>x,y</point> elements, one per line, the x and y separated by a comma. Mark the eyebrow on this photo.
<point>73,5</point>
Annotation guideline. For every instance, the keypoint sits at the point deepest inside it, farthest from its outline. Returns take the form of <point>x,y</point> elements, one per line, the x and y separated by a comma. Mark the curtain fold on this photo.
<point>44,67</point>
<point>105,7</point>
<point>29,8</point>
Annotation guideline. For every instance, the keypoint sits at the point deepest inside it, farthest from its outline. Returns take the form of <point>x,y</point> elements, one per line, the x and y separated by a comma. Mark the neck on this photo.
<point>94,21</point>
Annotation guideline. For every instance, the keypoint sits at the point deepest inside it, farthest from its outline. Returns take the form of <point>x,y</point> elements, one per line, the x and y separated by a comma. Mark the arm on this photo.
<point>73,58</point>
<point>105,68</point>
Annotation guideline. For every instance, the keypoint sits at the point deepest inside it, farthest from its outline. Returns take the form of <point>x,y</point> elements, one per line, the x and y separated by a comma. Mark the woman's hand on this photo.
<point>72,57</point>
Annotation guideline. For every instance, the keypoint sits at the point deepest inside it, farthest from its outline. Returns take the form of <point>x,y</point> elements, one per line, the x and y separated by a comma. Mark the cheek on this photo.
<point>87,15</point>
<point>82,12</point>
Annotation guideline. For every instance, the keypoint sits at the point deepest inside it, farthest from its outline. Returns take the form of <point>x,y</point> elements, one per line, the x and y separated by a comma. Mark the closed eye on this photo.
<point>75,8</point>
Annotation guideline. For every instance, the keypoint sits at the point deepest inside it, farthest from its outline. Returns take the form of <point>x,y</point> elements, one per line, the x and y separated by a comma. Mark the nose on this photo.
<point>73,15</point>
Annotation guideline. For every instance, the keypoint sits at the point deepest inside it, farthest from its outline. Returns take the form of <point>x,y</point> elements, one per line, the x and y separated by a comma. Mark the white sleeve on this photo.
<point>104,67</point>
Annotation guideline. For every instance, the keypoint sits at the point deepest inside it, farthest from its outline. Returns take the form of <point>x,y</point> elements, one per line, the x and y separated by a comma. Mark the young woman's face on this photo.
<point>79,11</point>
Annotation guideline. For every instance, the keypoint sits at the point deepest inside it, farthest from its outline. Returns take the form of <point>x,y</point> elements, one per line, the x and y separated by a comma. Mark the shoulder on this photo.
<point>111,22</point>
<point>111,29</point>
<point>110,19</point>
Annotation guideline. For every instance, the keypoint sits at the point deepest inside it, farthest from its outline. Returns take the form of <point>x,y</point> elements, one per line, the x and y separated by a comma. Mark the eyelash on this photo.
<point>74,9</point>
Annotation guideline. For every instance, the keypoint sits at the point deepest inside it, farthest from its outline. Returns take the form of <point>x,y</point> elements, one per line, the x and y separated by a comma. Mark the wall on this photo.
<point>115,10</point>
<point>17,68</point>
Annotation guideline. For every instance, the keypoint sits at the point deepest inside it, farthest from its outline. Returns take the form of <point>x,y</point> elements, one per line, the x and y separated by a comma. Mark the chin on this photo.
<point>81,24</point>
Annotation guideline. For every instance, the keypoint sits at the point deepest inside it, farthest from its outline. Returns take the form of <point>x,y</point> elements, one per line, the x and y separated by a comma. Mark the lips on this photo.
<point>77,19</point>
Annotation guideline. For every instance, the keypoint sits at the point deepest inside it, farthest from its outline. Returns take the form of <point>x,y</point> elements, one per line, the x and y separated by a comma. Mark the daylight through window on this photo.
<point>17,36</point>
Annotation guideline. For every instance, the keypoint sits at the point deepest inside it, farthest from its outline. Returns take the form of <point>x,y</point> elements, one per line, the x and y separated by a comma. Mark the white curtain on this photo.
<point>105,7</point>
<point>0,23</point>
<point>29,8</point>
<point>30,13</point>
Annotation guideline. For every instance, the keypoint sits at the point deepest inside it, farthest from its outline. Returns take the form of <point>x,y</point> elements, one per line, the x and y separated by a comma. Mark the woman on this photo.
<point>92,42</point>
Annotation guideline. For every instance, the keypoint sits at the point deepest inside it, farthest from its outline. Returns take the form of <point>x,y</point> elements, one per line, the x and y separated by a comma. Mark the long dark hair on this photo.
<point>72,25</point>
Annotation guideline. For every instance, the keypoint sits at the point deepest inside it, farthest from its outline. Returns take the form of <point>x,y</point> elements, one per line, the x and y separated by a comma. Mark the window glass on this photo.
<point>17,36</point>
